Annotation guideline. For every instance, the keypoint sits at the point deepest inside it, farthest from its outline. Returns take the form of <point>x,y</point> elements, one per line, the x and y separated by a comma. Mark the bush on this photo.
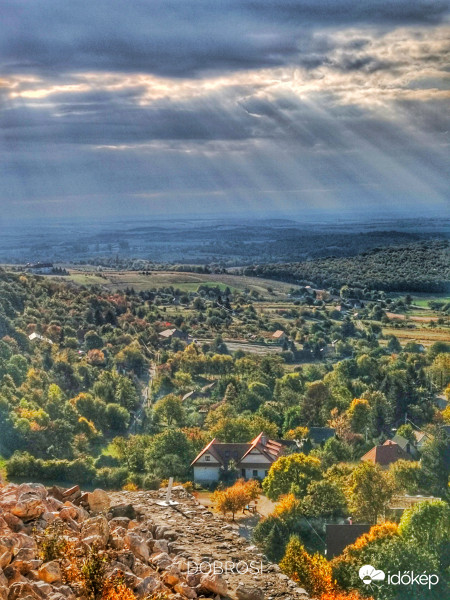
<point>111,478</point>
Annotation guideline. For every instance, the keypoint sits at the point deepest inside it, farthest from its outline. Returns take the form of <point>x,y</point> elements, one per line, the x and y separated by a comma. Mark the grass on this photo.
<point>188,282</point>
<point>2,468</point>
<point>425,336</point>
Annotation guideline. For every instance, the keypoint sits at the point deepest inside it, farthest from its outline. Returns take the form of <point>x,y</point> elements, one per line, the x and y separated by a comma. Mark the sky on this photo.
<point>224,107</point>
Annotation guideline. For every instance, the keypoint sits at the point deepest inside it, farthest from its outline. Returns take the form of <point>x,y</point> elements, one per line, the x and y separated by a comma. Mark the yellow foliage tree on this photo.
<point>235,498</point>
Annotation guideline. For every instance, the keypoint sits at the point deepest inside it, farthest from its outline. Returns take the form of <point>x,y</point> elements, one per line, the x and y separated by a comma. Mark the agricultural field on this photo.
<point>188,282</point>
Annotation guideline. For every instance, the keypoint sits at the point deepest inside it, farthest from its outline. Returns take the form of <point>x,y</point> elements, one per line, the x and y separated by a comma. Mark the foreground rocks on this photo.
<point>183,551</point>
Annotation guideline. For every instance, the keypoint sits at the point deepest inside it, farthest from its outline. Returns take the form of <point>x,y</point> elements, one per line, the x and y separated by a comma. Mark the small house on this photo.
<point>386,454</point>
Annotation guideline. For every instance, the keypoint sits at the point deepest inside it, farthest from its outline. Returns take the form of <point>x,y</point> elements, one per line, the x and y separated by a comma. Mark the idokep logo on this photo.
<point>369,575</point>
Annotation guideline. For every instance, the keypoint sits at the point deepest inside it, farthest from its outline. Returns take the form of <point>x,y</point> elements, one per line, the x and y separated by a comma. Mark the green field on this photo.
<point>188,282</point>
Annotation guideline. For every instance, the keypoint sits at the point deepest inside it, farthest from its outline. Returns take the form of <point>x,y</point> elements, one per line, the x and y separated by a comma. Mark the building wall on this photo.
<point>249,473</point>
<point>206,474</point>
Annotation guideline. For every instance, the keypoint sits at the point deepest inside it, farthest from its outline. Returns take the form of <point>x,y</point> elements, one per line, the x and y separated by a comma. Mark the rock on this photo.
<point>246,592</point>
<point>147,587</point>
<point>22,591</point>
<point>50,572</point>
<point>186,591</point>
<point>122,522</point>
<point>161,560</point>
<point>172,576</point>
<point>5,559</point>
<point>137,546</point>
<point>214,583</point>
<point>123,510</point>
<point>160,546</point>
<point>96,526</point>
<point>99,501</point>
<point>42,588</point>
<point>28,507</point>
<point>13,522</point>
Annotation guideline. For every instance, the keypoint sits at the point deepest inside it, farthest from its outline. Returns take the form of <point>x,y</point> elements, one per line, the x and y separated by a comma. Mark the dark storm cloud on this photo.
<point>184,37</point>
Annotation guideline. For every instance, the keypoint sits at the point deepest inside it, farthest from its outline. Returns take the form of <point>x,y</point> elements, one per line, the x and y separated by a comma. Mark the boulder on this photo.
<point>28,507</point>
<point>99,501</point>
<point>96,526</point>
<point>22,591</point>
<point>172,576</point>
<point>186,591</point>
<point>215,583</point>
<point>123,510</point>
<point>147,587</point>
<point>161,560</point>
<point>247,592</point>
<point>137,546</point>
<point>50,572</point>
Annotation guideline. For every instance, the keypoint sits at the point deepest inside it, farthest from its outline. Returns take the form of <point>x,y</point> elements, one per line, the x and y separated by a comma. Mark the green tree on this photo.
<point>369,492</point>
<point>324,499</point>
<point>291,474</point>
<point>170,410</point>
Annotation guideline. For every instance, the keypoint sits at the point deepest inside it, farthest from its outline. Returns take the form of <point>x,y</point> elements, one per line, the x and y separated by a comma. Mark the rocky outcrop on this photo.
<point>183,551</point>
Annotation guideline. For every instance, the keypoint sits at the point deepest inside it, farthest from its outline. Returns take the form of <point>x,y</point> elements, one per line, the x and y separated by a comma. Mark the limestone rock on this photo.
<point>246,592</point>
<point>214,583</point>
<point>50,572</point>
<point>28,507</point>
<point>137,546</point>
<point>123,510</point>
<point>96,526</point>
<point>186,591</point>
<point>22,591</point>
<point>98,501</point>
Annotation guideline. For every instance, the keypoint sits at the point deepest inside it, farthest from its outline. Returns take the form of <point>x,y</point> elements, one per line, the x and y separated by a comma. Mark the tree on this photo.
<point>291,474</point>
<point>427,524</point>
<point>436,462</point>
<point>359,414</point>
<point>313,572</point>
<point>369,492</point>
<point>324,499</point>
<point>407,476</point>
<point>407,432</point>
<point>170,410</point>
<point>169,442</point>
<point>236,497</point>
<point>93,341</point>
<point>272,535</point>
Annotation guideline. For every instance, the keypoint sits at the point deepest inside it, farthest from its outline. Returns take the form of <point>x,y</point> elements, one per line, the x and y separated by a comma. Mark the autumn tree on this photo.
<point>235,498</point>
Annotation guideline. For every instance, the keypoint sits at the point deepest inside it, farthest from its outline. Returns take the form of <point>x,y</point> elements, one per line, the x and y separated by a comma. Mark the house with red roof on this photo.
<point>253,460</point>
<point>386,454</point>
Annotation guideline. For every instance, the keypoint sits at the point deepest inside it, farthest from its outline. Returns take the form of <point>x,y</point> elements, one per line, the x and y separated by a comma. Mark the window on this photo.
<point>255,473</point>
<point>207,458</point>
<point>266,473</point>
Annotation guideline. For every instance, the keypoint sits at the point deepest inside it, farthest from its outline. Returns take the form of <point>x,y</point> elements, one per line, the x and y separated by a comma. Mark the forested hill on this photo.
<point>419,267</point>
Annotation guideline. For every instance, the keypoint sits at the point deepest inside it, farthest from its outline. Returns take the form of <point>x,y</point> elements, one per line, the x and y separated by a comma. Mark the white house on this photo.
<point>253,460</point>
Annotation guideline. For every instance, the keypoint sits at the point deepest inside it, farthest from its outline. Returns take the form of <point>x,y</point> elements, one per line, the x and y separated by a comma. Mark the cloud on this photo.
<point>179,39</point>
<point>327,103</point>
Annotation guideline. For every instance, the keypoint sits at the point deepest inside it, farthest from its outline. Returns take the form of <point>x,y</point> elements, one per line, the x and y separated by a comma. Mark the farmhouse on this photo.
<point>170,334</point>
<point>386,454</point>
<point>38,336</point>
<point>253,460</point>
<point>279,336</point>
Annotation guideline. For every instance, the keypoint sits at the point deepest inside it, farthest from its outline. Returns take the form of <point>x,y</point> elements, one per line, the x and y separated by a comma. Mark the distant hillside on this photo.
<point>420,267</point>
